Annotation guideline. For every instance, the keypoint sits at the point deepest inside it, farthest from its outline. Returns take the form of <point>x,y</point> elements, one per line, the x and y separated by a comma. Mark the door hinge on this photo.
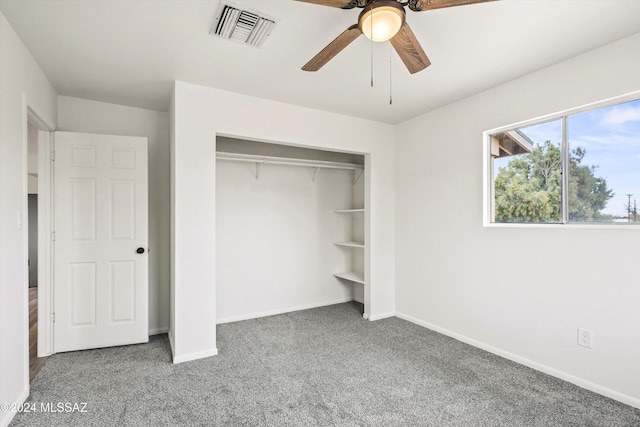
<point>53,236</point>
<point>53,318</point>
<point>53,156</point>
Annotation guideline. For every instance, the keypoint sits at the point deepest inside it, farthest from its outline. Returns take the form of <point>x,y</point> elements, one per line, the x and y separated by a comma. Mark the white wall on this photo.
<point>516,291</point>
<point>200,114</point>
<point>81,115</point>
<point>22,84</point>
<point>274,239</point>
<point>32,159</point>
<point>172,221</point>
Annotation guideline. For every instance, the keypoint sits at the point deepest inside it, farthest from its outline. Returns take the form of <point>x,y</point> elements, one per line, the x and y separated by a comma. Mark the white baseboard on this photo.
<point>173,351</point>
<point>195,356</point>
<point>580,382</point>
<point>158,331</point>
<point>7,417</point>
<point>382,316</point>
<point>281,311</point>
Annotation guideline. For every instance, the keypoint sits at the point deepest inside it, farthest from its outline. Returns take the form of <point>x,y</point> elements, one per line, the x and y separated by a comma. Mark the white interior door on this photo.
<point>101,225</point>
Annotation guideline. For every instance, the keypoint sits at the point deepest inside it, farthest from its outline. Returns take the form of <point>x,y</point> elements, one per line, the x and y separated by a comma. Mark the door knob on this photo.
<point>140,250</point>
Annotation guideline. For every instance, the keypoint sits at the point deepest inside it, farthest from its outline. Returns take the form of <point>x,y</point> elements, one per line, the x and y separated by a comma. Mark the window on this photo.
<point>578,167</point>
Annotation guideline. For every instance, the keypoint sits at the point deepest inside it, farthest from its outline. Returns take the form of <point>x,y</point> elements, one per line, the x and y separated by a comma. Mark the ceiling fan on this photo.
<point>382,20</point>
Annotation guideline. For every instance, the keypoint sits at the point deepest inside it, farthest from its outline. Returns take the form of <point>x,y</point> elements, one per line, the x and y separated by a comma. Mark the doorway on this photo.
<point>121,202</point>
<point>35,363</point>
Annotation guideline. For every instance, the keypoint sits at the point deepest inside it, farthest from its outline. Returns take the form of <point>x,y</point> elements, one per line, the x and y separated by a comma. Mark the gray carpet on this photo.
<point>320,367</point>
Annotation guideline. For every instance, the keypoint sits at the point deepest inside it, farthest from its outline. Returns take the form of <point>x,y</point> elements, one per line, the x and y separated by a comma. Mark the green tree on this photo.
<point>588,193</point>
<point>529,188</point>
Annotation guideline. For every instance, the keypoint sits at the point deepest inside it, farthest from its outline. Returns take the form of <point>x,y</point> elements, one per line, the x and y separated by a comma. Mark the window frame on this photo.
<point>488,216</point>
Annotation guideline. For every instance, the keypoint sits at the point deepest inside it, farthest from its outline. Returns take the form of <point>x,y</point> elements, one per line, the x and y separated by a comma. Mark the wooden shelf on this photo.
<point>350,244</point>
<point>349,211</point>
<point>353,276</point>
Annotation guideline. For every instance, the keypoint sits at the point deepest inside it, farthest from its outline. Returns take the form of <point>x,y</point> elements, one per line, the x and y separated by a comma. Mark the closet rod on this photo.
<point>286,161</point>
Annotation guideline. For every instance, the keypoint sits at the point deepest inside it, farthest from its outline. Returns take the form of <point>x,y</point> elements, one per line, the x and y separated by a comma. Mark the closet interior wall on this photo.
<point>276,228</point>
<point>357,233</point>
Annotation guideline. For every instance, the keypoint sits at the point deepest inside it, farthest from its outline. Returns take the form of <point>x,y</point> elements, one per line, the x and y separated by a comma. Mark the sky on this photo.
<point>611,138</point>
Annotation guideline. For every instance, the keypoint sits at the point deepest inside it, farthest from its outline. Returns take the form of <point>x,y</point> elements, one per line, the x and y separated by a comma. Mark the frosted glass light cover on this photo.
<point>381,23</point>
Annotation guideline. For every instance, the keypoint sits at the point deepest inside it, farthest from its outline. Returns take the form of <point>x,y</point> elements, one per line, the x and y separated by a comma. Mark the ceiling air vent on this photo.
<point>242,26</point>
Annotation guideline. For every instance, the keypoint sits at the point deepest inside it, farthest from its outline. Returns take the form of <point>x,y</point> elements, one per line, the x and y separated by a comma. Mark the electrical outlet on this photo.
<point>585,338</point>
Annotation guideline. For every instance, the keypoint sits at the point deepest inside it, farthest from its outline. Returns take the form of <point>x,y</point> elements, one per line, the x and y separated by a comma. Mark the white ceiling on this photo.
<point>129,52</point>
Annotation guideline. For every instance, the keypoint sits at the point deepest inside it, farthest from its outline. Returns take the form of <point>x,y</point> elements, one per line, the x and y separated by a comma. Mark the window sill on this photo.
<point>587,225</point>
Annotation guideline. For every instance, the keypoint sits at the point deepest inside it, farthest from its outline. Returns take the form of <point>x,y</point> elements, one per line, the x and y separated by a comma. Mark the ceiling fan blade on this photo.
<point>409,49</point>
<point>439,4</point>
<point>331,3</point>
<point>333,48</point>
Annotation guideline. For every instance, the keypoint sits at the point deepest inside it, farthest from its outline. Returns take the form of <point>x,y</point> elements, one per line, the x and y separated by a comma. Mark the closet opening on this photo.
<point>290,229</point>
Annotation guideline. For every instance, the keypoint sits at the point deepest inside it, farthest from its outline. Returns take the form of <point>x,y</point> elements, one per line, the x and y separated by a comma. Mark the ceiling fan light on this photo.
<point>382,20</point>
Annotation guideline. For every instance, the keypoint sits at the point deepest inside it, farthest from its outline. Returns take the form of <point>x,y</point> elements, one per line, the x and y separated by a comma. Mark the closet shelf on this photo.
<point>260,161</point>
<point>350,244</point>
<point>286,161</point>
<point>353,276</point>
<point>349,211</point>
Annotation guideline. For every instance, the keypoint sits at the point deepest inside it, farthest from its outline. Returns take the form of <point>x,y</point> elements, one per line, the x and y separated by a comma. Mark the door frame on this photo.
<point>45,225</point>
